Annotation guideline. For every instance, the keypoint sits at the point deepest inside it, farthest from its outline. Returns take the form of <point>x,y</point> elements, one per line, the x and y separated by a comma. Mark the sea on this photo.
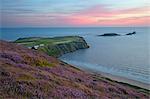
<point>124,56</point>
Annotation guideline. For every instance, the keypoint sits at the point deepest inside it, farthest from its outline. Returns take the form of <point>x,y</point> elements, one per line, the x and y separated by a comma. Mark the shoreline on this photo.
<point>118,79</point>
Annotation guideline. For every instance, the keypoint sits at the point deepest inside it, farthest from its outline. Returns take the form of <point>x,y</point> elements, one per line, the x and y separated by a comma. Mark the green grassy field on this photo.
<point>32,41</point>
<point>55,46</point>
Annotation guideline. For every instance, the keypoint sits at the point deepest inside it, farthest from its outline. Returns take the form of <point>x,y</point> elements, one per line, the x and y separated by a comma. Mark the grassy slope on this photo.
<point>38,40</point>
<point>26,73</point>
<point>55,46</point>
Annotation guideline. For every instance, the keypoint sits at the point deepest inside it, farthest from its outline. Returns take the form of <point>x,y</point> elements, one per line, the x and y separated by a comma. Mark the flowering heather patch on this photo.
<point>12,56</point>
<point>25,77</point>
<point>36,61</point>
<point>25,67</point>
<point>26,73</point>
<point>63,91</point>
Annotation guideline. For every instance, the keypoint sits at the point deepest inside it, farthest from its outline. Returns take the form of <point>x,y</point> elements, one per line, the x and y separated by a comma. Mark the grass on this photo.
<point>52,46</point>
<point>25,77</point>
<point>38,61</point>
<point>43,63</point>
<point>32,41</point>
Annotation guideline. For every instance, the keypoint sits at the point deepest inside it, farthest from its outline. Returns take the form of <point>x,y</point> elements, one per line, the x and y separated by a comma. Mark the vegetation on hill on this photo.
<point>56,46</point>
<point>26,73</point>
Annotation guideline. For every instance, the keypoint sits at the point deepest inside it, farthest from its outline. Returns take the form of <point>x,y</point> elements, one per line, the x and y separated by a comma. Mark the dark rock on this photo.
<point>131,33</point>
<point>78,80</point>
<point>5,73</point>
<point>110,34</point>
<point>94,80</point>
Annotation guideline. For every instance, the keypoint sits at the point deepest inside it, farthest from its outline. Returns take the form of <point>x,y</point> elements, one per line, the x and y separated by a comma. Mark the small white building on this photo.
<point>36,46</point>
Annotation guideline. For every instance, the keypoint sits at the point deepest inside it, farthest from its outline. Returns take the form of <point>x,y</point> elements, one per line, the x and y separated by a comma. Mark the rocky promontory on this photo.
<point>55,46</point>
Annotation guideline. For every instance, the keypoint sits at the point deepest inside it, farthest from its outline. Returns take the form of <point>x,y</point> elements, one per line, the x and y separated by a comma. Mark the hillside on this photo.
<point>26,73</point>
<point>55,46</point>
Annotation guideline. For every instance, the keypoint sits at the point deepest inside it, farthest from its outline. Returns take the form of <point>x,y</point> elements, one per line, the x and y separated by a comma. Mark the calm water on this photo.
<point>126,56</point>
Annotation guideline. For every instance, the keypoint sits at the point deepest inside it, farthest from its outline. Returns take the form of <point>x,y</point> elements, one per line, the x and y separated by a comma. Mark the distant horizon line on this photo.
<point>82,27</point>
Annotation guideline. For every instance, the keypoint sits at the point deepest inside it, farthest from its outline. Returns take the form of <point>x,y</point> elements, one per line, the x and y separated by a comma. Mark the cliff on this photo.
<point>26,73</point>
<point>56,46</point>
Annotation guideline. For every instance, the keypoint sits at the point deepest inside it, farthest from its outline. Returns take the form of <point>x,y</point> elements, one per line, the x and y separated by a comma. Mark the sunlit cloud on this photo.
<point>45,13</point>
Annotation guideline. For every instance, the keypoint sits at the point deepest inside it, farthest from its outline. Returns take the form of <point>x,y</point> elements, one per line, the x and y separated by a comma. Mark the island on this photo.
<point>110,34</point>
<point>55,46</point>
<point>28,74</point>
<point>131,33</point>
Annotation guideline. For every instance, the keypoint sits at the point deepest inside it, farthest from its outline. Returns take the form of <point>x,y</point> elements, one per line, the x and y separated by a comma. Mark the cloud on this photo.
<point>101,15</point>
<point>55,13</point>
<point>133,21</point>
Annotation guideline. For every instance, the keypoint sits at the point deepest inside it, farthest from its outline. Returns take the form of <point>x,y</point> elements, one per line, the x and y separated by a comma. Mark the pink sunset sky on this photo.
<point>74,13</point>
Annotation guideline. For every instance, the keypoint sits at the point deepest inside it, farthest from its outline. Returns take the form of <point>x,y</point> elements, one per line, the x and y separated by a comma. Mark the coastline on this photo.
<point>115,78</point>
<point>126,80</point>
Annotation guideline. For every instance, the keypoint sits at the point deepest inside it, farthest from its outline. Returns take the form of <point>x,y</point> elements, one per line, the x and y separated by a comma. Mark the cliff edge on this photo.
<point>55,46</point>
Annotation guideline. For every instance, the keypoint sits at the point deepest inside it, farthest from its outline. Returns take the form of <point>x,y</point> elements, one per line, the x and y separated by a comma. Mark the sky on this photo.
<point>74,13</point>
